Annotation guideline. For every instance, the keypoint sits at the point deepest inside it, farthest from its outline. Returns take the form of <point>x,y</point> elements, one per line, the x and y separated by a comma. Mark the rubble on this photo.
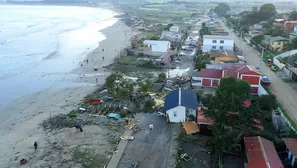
<point>57,122</point>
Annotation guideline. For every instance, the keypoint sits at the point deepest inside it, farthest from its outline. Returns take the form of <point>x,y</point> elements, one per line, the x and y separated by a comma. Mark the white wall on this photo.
<point>180,114</point>
<point>208,44</point>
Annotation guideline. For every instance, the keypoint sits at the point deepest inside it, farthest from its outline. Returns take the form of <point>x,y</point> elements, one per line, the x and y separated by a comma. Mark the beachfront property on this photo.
<point>174,29</point>
<point>157,46</point>
<point>212,74</point>
<point>180,105</point>
<point>222,56</point>
<point>275,43</point>
<point>171,36</point>
<point>213,42</point>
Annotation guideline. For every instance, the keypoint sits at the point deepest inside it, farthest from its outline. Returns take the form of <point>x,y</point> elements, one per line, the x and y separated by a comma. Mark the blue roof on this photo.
<point>188,99</point>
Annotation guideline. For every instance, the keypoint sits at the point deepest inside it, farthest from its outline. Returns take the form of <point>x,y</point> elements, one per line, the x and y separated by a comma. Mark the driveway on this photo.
<point>150,148</point>
<point>285,94</point>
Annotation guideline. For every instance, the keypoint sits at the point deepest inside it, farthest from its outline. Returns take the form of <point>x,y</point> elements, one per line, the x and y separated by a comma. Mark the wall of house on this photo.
<point>161,47</point>
<point>224,58</point>
<point>253,80</point>
<point>230,73</point>
<point>191,112</point>
<point>208,45</point>
<point>177,114</point>
<point>278,45</point>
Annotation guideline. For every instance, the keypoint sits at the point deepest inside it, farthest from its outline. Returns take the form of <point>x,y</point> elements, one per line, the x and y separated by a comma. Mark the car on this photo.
<point>160,114</point>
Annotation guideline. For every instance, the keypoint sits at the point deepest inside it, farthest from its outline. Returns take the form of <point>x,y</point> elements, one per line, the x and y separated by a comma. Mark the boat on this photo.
<point>273,67</point>
<point>269,62</point>
<point>265,80</point>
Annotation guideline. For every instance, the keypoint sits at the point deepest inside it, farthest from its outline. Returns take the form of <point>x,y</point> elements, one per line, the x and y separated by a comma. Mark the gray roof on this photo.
<point>270,39</point>
<point>286,54</point>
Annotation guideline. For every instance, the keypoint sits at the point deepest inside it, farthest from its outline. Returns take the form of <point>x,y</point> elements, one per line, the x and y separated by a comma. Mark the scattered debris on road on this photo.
<point>185,157</point>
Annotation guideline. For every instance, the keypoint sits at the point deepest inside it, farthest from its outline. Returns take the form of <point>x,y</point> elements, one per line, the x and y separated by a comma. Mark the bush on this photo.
<point>161,77</point>
<point>123,113</point>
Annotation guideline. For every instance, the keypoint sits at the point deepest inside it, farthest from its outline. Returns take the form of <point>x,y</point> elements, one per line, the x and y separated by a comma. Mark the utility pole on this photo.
<point>241,42</point>
<point>262,53</point>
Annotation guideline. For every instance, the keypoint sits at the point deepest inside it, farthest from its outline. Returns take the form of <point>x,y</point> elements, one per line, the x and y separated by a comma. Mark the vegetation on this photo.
<point>148,105</point>
<point>291,45</point>
<point>89,159</point>
<point>154,37</point>
<point>145,86</point>
<point>267,102</point>
<point>161,77</point>
<point>257,39</point>
<point>168,26</point>
<point>110,82</point>
<point>201,62</point>
<point>293,15</point>
<point>222,9</point>
<point>204,30</point>
<point>226,108</point>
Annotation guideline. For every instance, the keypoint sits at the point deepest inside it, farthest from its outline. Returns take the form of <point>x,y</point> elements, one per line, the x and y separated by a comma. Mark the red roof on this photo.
<point>261,153</point>
<point>239,68</point>
<point>201,119</point>
<point>211,73</point>
<point>291,144</point>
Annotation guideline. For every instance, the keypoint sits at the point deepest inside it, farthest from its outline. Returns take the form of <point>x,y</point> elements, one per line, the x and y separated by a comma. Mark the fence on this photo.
<point>285,119</point>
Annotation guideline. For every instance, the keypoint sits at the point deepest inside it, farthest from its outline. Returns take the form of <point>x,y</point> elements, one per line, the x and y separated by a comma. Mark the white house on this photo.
<point>212,42</point>
<point>171,36</point>
<point>174,29</point>
<point>157,46</point>
<point>180,105</point>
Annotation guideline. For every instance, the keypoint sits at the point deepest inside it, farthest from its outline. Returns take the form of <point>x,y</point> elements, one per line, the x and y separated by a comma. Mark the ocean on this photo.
<point>36,41</point>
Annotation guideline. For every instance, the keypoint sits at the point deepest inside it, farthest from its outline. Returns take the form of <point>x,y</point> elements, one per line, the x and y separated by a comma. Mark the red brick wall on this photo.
<point>206,82</point>
<point>253,80</point>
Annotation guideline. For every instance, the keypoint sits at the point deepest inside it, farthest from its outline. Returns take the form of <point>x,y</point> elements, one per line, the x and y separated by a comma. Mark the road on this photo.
<point>285,94</point>
<point>150,148</point>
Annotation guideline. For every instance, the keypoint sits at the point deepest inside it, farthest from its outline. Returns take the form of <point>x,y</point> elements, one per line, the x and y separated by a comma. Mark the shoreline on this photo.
<point>22,128</point>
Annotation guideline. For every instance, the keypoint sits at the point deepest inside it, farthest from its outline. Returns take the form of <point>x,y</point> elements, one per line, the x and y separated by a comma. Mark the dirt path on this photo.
<point>285,94</point>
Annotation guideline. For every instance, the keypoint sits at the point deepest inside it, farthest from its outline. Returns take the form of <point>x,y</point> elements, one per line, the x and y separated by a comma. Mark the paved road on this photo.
<point>285,94</point>
<point>150,148</point>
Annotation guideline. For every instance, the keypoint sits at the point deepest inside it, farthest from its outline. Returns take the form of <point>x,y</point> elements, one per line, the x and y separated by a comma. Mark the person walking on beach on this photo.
<point>87,61</point>
<point>35,146</point>
<point>96,81</point>
<point>79,126</point>
<point>102,58</point>
<point>102,49</point>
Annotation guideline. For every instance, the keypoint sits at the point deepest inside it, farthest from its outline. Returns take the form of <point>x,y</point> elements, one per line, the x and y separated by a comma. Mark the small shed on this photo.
<point>180,105</point>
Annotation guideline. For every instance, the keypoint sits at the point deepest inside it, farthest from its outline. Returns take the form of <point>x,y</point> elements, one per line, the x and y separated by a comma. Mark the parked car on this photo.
<point>160,114</point>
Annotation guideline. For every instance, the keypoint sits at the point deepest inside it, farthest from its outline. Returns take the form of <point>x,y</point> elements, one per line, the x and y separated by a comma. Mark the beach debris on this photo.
<point>23,161</point>
<point>185,157</point>
<point>126,137</point>
<point>134,165</point>
<point>82,109</point>
<point>151,126</point>
<point>114,116</point>
<point>57,122</point>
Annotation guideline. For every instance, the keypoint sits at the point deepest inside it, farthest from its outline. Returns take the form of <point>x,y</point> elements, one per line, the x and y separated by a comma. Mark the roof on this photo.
<point>217,37</point>
<point>261,153</point>
<point>270,39</point>
<point>181,97</point>
<point>241,68</point>
<point>221,53</point>
<point>191,127</point>
<point>293,21</point>
<point>211,73</point>
<point>291,144</point>
<point>202,119</point>
<point>156,42</point>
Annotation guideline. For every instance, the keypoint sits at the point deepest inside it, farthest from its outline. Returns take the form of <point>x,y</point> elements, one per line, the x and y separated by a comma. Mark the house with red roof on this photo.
<point>261,153</point>
<point>212,74</point>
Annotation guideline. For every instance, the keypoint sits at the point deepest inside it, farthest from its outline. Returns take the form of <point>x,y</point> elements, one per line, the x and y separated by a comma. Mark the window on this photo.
<point>215,81</point>
<point>174,114</point>
<point>222,41</point>
<point>214,41</point>
<point>214,47</point>
<point>221,47</point>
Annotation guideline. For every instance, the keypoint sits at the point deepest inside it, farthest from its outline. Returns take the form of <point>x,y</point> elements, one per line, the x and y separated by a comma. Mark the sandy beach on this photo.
<point>21,127</point>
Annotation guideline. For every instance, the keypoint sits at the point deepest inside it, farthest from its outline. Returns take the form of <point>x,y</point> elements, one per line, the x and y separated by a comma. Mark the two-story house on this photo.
<point>212,42</point>
<point>275,43</point>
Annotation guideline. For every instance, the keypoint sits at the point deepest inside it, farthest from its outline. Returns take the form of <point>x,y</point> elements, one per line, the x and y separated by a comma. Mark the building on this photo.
<point>157,46</point>
<point>174,29</point>
<point>180,105</point>
<point>257,27</point>
<point>261,153</point>
<point>223,56</point>
<point>289,26</point>
<point>290,66</point>
<point>220,33</point>
<point>254,33</point>
<point>171,36</point>
<point>291,144</point>
<point>213,42</point>
<point>212,74</point>
<point>275,43</point>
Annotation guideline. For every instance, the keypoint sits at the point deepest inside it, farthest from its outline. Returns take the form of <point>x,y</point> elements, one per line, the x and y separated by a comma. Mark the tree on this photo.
<point>291,45</point>
<point>293,15</point>
<point>232,118</point>
<point>276,32</point>
<point>257,39</point>
<point>110,82</point>
<point>161,76</point>
<point>154,37</point>
<point>267,102</point>
<point>168,26</point>
<point>126,87</point>
<point>267,12</point>
<point>145,86</point>
<point>222,9</point>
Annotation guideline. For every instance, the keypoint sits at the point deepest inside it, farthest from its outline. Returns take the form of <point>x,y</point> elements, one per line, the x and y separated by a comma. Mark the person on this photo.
<point>96,80</point>
<point>35,146</point>
<point>87,61</point>
<point>102,49</point>
<point>79,126</point>
<point>102,58</point>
